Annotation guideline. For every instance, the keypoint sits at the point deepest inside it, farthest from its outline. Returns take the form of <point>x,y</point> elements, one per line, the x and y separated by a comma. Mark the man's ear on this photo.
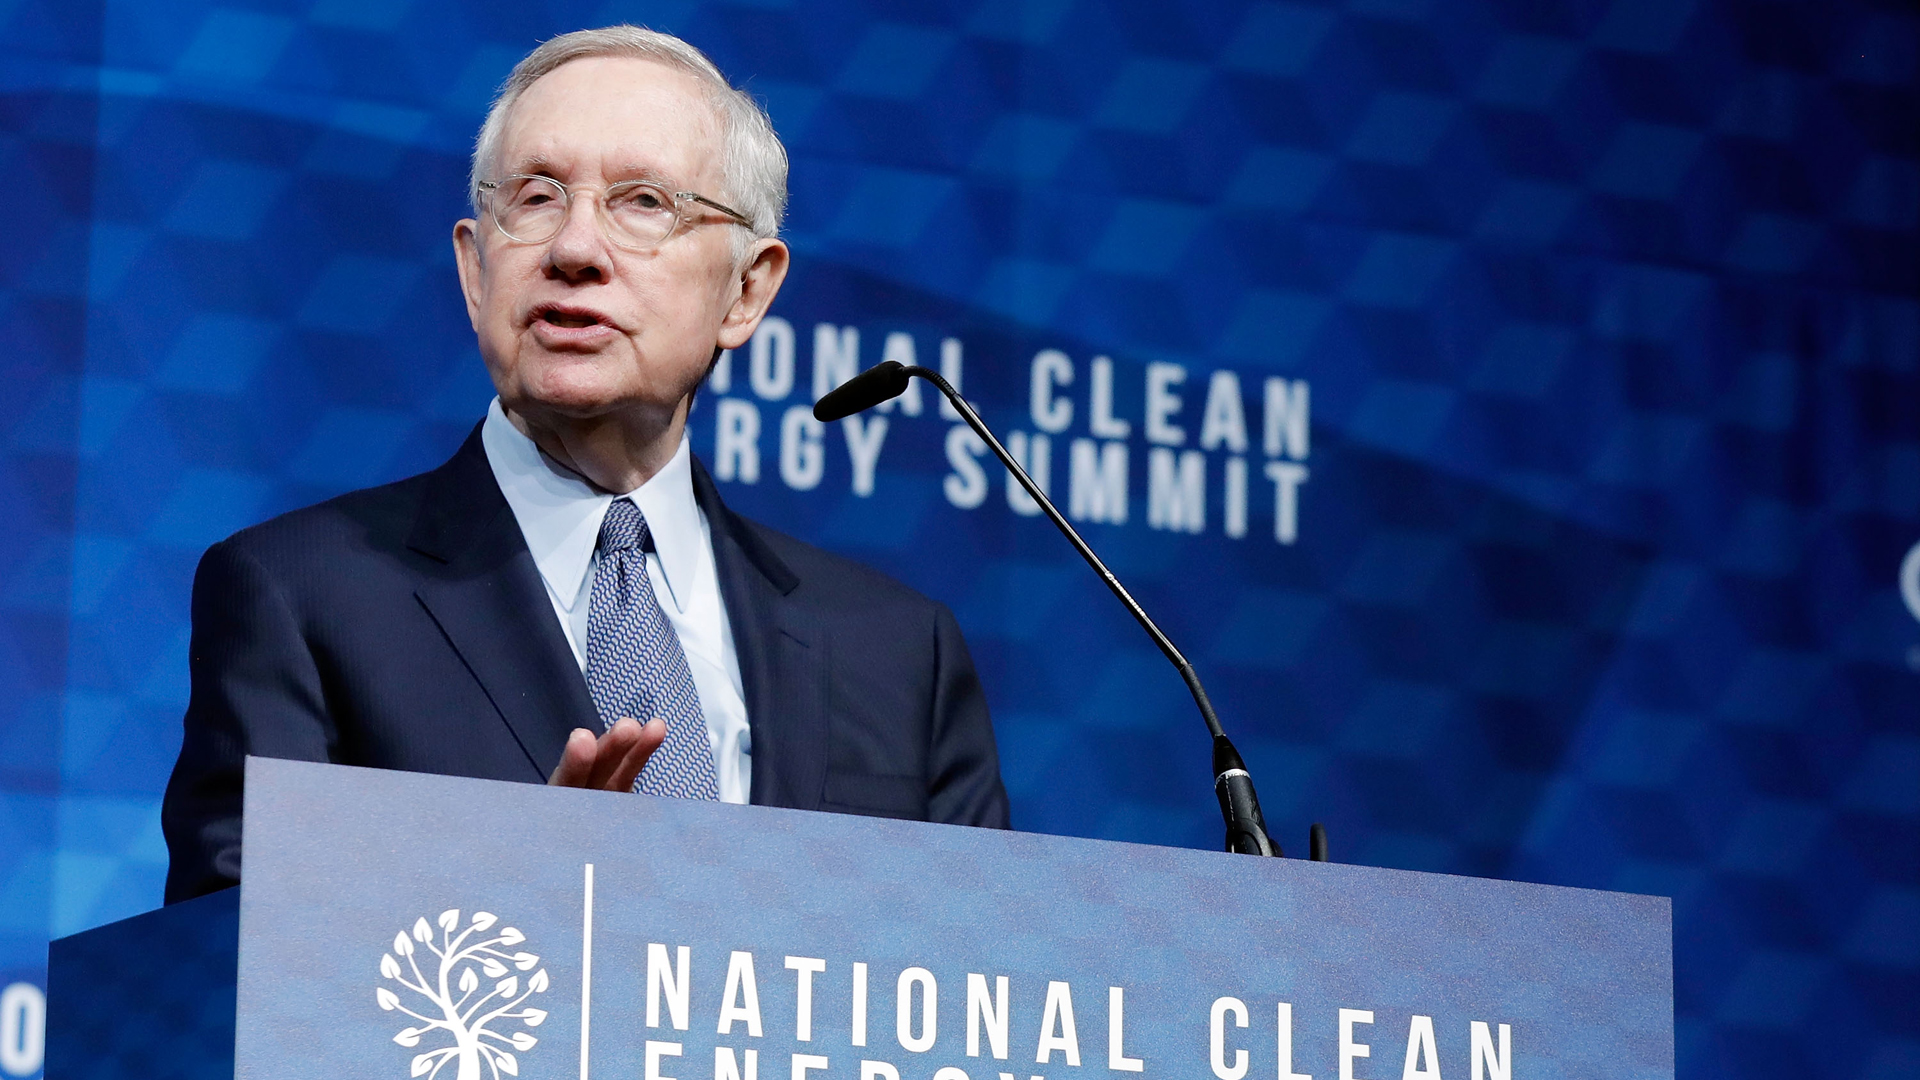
<point>466,258</point>
<point>760,277</point>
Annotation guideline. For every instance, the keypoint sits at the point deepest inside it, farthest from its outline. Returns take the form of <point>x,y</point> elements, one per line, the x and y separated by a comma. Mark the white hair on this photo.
<point>753,163</point>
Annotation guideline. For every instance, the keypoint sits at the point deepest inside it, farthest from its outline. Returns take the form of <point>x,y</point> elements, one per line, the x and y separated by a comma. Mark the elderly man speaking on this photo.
<point>567,599</point>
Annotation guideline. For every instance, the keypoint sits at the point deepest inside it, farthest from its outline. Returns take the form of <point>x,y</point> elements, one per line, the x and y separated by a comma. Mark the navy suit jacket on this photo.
<point>406,627</point>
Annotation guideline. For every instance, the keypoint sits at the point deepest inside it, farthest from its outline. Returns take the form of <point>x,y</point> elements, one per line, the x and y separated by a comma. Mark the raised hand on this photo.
<point>612,761</point>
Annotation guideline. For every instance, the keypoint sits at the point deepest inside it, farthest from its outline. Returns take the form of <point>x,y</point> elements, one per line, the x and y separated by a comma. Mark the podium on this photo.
<point>403,925</point>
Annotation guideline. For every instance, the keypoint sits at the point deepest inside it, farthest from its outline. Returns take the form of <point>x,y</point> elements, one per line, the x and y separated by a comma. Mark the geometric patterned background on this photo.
<point>1610,312</point>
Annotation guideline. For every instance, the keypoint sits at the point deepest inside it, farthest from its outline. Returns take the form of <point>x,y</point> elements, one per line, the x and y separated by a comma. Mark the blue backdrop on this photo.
<point>1512,407</point>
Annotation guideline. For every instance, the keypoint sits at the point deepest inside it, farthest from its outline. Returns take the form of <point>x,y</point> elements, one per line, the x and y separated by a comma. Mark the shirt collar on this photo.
<point>560,513</point>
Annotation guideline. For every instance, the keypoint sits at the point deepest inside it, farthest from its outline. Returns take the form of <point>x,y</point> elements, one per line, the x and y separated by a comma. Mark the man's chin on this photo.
<point>577,399</point>
<point>570,404</point>
<point>571,381</point>
<point>574,385</point>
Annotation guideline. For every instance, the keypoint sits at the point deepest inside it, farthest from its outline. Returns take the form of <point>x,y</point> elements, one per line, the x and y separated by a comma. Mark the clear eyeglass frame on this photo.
<point>625,217</point>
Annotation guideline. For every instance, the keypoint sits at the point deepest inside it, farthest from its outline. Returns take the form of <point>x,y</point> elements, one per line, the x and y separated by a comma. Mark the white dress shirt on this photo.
<point>560,515</point>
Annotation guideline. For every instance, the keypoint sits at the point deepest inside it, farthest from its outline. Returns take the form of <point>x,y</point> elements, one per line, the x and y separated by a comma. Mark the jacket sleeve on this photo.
<point>256,689</point>
<point>963,762</point>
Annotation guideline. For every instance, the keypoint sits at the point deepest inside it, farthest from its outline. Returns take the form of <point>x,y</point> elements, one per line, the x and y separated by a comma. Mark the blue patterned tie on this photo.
<point>635,665</point>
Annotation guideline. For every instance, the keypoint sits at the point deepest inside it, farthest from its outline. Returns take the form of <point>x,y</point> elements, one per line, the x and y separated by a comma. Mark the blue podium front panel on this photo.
<point>416,926</point>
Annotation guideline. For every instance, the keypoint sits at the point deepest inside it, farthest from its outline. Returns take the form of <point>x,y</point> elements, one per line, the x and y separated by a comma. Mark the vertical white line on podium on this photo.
<point>586,968</point>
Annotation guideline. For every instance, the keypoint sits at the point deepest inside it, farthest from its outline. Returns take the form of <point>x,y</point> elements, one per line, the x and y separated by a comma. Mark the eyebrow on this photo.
<point>532,165</point>
<point>541,165</point>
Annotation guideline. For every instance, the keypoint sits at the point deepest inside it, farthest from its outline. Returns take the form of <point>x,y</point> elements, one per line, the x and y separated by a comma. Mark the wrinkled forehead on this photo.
<point>602,119</point>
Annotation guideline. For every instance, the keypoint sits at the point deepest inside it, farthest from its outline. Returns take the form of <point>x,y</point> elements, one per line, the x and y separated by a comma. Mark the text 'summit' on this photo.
<point>1204,450</point>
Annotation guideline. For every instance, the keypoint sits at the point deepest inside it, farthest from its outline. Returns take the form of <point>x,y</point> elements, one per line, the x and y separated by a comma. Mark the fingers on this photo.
<point>576,760</point>
<point>611,762</point>
<point>650,737</point>
<point>613,750</point>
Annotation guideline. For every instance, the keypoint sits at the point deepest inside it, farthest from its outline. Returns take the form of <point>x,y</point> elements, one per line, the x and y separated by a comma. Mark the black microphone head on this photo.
<point>881,382</point>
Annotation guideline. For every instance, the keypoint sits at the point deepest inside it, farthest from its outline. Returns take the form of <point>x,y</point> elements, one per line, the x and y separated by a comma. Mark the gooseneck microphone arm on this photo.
<point>1239,806</point>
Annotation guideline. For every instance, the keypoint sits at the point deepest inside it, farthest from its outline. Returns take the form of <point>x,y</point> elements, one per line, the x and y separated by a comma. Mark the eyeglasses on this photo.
<point>637,215</point>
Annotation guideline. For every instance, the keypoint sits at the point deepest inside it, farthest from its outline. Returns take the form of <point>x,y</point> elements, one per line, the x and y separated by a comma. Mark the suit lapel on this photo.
<point>487,598</point>
<point>783,658</point>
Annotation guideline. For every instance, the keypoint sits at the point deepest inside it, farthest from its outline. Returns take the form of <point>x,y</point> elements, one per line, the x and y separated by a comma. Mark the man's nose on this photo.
<point>578,252</point>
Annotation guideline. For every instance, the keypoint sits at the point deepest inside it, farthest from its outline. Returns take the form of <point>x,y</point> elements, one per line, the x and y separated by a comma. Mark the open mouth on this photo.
<point>572,320</point>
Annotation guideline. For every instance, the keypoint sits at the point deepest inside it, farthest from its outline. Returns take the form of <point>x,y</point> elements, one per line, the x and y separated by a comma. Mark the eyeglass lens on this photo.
<point>533,209</point>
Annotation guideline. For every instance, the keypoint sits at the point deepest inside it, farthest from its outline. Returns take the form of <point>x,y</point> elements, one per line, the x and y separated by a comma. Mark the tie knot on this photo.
<point>624,528</point>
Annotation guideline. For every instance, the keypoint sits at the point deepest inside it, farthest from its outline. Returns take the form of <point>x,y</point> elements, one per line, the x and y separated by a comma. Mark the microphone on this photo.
<point>1239,806</point>
<point>881,382</point>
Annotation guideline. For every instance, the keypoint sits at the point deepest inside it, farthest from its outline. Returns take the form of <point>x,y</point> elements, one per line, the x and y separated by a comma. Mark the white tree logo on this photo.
<point>453,971</point>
